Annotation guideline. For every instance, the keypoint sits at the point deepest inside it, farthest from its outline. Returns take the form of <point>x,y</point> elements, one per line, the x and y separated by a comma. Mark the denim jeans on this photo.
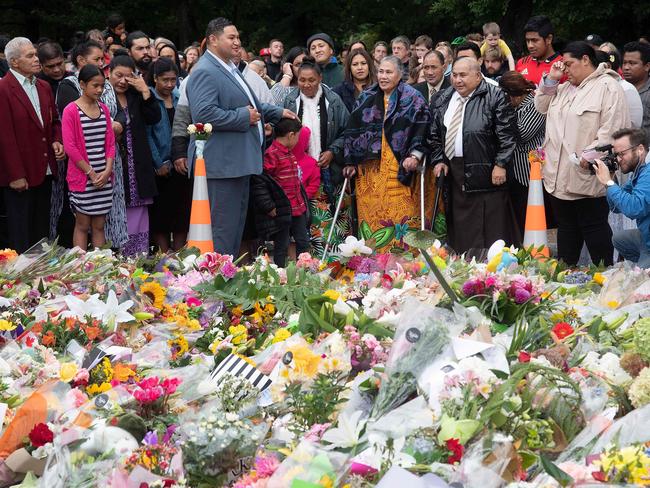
<point>631,246</point>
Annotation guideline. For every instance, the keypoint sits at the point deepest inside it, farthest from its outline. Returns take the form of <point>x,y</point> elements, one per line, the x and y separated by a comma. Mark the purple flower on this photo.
<point>473,287</point>
<point>521,296</point>
<point>169,433</point>
<point>150,439</point>
<point>228,270</point>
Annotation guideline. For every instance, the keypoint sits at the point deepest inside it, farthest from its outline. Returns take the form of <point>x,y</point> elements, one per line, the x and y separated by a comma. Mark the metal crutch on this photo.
<point>336,216</point>
<point>440,182</point>
<point>423,217</point>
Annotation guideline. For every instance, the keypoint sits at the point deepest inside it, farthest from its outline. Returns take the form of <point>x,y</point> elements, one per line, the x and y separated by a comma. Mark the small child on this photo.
<point>492,33</point>
<point>309,170</point>
<point>89,142</point>
<point>279,192</point>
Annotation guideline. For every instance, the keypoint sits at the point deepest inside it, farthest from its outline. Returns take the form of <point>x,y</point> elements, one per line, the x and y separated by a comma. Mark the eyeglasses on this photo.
<point>620,153</point>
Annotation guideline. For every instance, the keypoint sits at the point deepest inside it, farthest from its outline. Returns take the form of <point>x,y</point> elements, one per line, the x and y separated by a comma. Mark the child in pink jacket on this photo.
<point>309,170</point>
<point>89,142</point>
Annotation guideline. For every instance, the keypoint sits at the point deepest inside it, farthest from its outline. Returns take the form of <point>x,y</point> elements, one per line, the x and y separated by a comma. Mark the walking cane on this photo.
<point>422,215</point>
<point>440,182</point>
<point>336,216</point>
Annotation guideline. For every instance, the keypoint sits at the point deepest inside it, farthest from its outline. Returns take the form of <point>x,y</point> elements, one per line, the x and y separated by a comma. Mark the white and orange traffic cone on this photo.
<point>200,234</point>
<point>535,228</point>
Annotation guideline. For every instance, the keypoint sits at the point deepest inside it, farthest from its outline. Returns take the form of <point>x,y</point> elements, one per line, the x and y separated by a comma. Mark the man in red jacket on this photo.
<point>539,42</point>
<point>30,145</point>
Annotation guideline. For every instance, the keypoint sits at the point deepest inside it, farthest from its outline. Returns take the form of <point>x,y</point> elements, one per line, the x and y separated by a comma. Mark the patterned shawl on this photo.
<point>405,126</point>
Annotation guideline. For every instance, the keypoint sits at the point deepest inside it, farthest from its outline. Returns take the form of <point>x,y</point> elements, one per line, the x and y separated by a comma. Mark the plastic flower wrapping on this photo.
<point>413,368</point>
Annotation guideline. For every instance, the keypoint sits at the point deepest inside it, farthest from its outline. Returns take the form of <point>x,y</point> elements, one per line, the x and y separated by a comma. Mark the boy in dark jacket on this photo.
<point>279,194</point>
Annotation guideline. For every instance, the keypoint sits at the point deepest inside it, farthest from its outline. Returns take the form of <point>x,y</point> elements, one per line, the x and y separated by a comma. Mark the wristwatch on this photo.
<point>610,183</point>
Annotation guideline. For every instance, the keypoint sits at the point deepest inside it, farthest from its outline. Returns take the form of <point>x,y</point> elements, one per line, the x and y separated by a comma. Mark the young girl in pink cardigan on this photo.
<point>89,142</point>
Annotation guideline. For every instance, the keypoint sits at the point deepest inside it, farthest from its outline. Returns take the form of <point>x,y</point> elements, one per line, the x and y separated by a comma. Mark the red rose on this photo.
<point>199,127</point>
<point>524,357</point>
<point>41,435</point>
<point>456,449</point>
<point>562,330</point>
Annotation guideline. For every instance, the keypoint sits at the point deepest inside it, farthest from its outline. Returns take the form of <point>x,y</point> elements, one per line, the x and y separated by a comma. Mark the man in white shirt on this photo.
<point>218,94</point>
<point>473,137</point>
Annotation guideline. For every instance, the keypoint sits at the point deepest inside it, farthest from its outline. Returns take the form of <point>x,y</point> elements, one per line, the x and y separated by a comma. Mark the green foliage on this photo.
<point>317,405</point>
<point>551,394</point>
<point>184,21</point>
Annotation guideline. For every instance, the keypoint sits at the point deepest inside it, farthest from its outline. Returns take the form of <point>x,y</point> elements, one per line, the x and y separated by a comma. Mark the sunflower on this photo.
<point>155,293</point>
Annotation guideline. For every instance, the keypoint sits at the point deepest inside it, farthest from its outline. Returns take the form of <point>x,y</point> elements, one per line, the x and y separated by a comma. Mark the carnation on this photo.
<point>639,391</point>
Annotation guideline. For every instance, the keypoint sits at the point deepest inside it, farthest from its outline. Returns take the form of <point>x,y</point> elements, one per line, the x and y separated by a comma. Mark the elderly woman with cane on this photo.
<point>384,148</point>
<point>324,113</point>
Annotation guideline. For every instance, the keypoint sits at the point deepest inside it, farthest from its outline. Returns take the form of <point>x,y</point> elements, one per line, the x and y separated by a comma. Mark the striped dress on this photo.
<point>94,201</point>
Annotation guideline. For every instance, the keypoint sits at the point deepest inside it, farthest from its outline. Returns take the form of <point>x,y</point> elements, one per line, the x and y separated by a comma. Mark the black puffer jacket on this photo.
<point>267,194</point>
<point>489,135</point>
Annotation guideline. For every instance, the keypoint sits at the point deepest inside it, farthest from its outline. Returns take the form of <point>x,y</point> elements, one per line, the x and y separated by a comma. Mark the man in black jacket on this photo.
<point>434,67</point>
<point>473,137</point>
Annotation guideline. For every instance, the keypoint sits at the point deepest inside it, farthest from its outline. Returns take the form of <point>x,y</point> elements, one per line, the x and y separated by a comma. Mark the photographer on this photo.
<point>632,199</point>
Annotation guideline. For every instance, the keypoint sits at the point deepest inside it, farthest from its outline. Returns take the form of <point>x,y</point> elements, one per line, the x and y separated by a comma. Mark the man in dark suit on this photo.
<point>434,67</point>
<point>218,94</point>
<point>30,145</point>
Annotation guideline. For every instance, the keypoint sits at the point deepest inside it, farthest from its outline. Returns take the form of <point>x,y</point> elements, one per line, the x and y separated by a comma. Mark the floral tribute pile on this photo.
<point>417,368</point>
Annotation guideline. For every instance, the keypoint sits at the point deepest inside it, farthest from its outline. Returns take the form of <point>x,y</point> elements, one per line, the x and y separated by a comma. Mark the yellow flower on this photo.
<point>305,362</point>
<point>613,304</point>
<point>67,372</point>
<point>5,325</point>
<point>96,389</point>
<point>332,295</point>
<point>7,255</point>
<point>347,276</point>
<point>239,334</point>
<point>215,344</point>
<point>599,278</point>
<point>281,335</point>
<point>180,344</point>
<point>326,481</point>
<point>155,293</point>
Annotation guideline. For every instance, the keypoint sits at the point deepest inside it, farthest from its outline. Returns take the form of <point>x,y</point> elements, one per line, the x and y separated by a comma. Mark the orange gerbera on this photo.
<point>92,332</point>
<point>48,339</point>
<point>37,328</point>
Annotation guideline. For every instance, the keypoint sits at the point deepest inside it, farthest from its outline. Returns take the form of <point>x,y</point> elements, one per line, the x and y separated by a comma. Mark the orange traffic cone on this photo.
<point>200,234</point>
<point>535,227</point>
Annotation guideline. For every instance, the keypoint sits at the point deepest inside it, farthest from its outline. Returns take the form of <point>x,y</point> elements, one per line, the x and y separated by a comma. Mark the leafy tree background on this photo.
<point>184,20</point>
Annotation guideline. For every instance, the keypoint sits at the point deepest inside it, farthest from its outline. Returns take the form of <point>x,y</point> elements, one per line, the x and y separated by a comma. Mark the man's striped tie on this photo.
<point>452,130</point>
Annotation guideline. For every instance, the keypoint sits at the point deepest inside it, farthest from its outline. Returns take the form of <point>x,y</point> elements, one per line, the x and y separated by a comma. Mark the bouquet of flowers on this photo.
<point>420,338</point>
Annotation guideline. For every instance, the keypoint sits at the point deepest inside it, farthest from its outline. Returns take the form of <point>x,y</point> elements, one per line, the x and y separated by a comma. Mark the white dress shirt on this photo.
<point>451,110</point>
<point>230,66</point>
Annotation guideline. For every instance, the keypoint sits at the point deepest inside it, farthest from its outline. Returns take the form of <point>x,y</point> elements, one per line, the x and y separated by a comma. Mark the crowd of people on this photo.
<point>315,144</point>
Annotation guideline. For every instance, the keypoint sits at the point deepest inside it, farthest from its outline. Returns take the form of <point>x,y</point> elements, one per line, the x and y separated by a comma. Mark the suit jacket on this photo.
<point>424,88</point>
<point>25,143</point>
<point>216,97</point>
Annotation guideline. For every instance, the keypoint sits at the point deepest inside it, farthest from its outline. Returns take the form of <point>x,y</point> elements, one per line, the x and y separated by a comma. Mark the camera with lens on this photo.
<point>609,159</point>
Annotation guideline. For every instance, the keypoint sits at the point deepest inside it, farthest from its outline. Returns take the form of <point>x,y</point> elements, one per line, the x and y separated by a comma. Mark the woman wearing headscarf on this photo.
<point>384,146</point>
<point>324,113</point>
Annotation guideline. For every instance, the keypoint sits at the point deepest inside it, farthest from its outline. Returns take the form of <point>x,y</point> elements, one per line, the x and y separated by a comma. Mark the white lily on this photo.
<point>353,247</point>
<point>347,433</point>
<point>112,312</point>
<point>77,308</point>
